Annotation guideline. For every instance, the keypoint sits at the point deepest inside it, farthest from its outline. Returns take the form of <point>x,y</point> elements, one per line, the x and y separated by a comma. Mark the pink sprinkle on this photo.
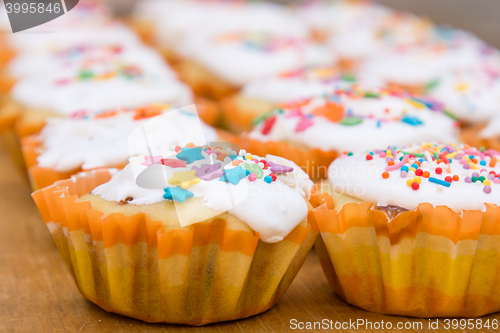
<point>177,148</point>
<point>487,189</point>
<point>382,154</point>
<point>397,165</point>
<point>468,180</point>
<point>496,181</point>
<point>403,174</point>
<point>303,124</point>
<point>252,177</point>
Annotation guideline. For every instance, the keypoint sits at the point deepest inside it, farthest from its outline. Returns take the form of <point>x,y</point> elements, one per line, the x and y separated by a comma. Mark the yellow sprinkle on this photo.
<point>249,157</point>
<point>451,155</point>
<point>409,182</point>
<point>461,87</point>
<point>412,169</point>
<point>416,104</point>
<point>417,179</point>
<point>487,182</point>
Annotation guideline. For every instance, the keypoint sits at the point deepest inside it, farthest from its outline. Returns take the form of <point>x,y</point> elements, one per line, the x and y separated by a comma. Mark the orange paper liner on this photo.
<point>144,269</point>
<point>430,262</point>
<point>9,114</point>
<point>202,81</point>
<point>238,115</point>
<point>313,161</point>
<point>208,110</point>
<point>471,135</point>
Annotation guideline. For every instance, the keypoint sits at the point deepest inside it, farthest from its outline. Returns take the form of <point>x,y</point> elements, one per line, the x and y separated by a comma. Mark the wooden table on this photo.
<point>37,294</point>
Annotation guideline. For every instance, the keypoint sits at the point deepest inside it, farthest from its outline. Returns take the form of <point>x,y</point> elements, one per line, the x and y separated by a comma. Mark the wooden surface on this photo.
<point>37,294</point>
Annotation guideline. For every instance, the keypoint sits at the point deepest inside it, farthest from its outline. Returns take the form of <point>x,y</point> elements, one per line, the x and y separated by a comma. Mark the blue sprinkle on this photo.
<point>268,179</point>
<point>379,123</point>
<point>415,165</point>
<point>404,168</point>
<point>439,181</point>
<point>482,163</point>
<point>233,157</point>
<point>177,193</point>
<point>414,121</point>
<point>247,172</point>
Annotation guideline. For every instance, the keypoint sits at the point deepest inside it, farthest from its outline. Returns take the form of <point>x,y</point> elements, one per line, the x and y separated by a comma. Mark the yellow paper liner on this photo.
<point>313,161</point>
<point>144,269</point>
<point>239,112</point>
<point>430,262</point>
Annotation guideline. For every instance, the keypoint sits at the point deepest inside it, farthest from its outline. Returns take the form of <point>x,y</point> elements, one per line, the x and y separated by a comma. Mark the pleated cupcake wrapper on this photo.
<point>147,270</point>
<point>431,262</point>
<point>313,161</point>
<point>9,114</point>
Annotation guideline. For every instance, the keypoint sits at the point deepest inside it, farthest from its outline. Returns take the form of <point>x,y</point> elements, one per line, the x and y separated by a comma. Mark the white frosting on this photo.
<point>69,143</point>
<point>424,64</point>
<point>273,210</point>
<point>64,93</point>
<point>377,129</point>
<point>363,179</point>
<point>308,82</point>
<point>175,21</point>
<point>237,61</point>
<point>472,94</point>
<point>70,49</point>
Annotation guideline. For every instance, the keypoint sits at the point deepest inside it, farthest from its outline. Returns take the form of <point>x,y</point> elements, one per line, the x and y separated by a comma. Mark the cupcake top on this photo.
<point>458,176</point>
<point>358,29</point>
<point>90,141</point>
<point>426,63</point>
<point>302,83</point>
<point>120,79</point>
<point>265,193</point>
<point>472,93</point>
<point>352,119</point>
<point>241,56</point>
<point>117,41</point>
<point>175,21</point>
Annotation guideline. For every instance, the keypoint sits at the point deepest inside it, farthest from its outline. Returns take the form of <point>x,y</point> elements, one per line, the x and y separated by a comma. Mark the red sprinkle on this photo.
<point>273,176</point>
<point>385,175</point>
<point>390,163</point>
<point>419,172</point>
<point>369,157</point>
<point>415,186</point>
<point>448,179</point>
<point>268,125</point>
<point>439,171</point>
<point>177,148</point>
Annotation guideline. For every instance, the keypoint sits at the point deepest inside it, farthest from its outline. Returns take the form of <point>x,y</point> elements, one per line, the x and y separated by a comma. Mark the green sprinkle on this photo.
<point>474,179</point>
<point>415,154</point>
<point>351,121</point>
<point>371,95</point>
<point>85,75</point>
<point>482,149</point>
<point>349,154</point>
<point>348,78</point>
<point>262,117</point>
<point>436,156</point>
<point>482,178</point>
<point>432,84</point>
<point>450,114</point>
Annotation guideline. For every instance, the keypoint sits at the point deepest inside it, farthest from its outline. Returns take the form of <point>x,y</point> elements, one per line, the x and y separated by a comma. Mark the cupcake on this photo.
<point>66,146</point>
<point>356,30</point>
<point>167,24</point>
<point>483,135</point>
<point>230,60</point>
<point>471,93</point>
<point>208,241</point>
<point>419,68</point>
<point>119,79</point>
<point>315,131</point>
<point>260,96</point>
<point>413,230</point>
